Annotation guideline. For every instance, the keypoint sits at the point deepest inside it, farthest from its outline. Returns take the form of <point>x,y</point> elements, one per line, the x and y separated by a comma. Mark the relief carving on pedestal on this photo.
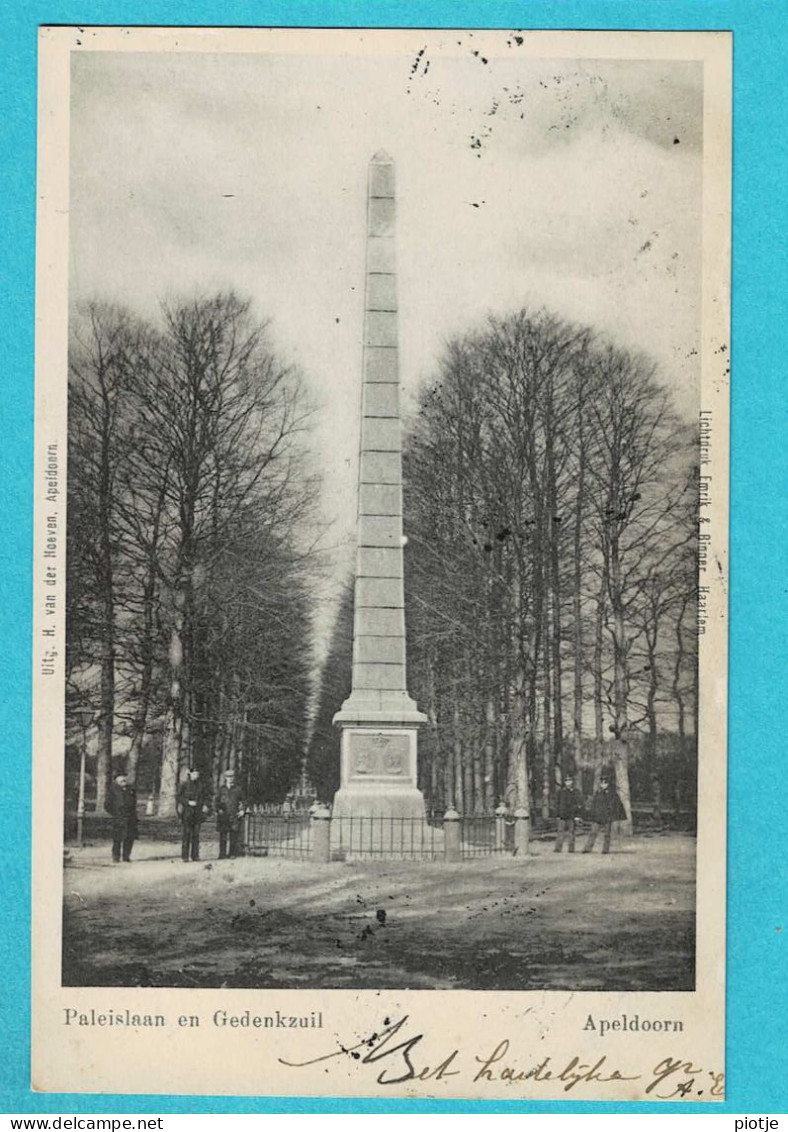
<point>378,754</point>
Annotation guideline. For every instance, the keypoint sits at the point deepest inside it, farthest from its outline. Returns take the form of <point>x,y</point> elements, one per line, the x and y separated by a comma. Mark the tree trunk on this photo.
<point>459,792</point>
<point>599,653</point>
<point>651,716</point>
<point>621,722</point>
<point>547,760</point>
<point>106,723</point>
<point>621,767</point>
<point>677,669</point>
<point>173,738</point>
<point>553,532</point>
<point>146,675</point>
<point>522,798</point>
<point>431,711</point>
<point>489,799</point>
<point>577,611</point>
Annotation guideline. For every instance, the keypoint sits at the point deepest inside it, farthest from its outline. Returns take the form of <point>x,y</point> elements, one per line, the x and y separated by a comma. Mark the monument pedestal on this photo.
<point>378,773</point>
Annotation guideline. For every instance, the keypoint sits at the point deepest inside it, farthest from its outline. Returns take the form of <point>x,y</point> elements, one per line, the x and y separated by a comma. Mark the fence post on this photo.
<point>500,826</point>
<point>521,817</point>
<point>321,835</point>
<point>451,835</point>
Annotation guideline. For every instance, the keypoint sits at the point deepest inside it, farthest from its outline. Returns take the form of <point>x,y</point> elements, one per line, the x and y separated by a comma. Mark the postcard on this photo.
<point>381,564</point>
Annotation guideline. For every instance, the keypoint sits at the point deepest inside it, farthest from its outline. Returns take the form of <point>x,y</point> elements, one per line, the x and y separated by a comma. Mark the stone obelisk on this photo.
<point>379,721</point>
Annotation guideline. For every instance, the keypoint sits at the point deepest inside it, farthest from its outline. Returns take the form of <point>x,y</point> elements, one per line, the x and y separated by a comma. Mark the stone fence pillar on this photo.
<point>521,832</point>
<point>451,835</point>
<point>500,827</point>
<point>321,835</point>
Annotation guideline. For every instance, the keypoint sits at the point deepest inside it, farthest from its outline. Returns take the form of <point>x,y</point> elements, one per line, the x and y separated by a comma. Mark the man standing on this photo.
<point>569,804</point>
<point>192,810</point>
<point>229,815</point>
<point>606,807</point>
<point>122,804</point>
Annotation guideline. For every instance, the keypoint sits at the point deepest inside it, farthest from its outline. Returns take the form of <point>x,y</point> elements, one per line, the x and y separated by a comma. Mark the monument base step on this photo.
<point>366,803</point>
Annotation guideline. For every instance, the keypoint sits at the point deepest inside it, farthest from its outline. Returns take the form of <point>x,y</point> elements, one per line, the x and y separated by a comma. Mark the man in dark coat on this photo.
<point>229,815</point>
<point>569,805</point>
<point>122,804</point>
<point>606,807</point>
<point>192,810</point>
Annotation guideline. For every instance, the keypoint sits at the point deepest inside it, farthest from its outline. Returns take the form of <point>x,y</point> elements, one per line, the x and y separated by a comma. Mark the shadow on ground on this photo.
<point>547,922</point>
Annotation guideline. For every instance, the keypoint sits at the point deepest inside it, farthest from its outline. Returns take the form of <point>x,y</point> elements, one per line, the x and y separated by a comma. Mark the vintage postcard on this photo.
<point>381,563</point>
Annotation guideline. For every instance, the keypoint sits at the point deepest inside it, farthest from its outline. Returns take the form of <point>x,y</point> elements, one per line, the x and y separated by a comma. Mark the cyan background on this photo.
<point>757,1026</point>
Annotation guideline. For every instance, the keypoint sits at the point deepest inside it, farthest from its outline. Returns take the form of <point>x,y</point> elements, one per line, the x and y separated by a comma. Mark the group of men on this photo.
<point>193,807</point>
<point>605,808</point>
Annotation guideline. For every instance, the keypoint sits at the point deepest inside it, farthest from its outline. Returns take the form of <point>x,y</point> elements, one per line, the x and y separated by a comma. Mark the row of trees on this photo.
<point>551,507</point>
<point>189,576</point>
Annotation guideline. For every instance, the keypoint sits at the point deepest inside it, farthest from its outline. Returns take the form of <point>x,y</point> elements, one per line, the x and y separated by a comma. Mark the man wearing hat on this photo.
<point>606,807</point>
<point>229,815</point>
<point>192,810</point>
<point>122,804</point>
<point>569,805</point>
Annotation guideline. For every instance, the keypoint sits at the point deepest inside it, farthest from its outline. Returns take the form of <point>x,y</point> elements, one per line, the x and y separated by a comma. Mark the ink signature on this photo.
<point>395,1053</point>
<point>378,1048</point>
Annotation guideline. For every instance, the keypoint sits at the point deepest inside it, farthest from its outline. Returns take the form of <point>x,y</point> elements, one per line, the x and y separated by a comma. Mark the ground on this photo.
<point>583,922</point>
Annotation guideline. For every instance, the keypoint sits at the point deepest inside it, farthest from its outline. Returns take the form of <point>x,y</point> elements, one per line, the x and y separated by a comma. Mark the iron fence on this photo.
<point>385,836</point>
<point>277,831</point>
<point>486,836</point>
<point>272,832</point>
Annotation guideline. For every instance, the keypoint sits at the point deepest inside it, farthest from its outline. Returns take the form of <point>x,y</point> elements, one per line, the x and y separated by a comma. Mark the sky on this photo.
<point>566,183</point>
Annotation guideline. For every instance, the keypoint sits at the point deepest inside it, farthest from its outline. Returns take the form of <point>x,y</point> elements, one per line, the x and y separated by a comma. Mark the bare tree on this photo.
<point>190,557</point>
<point>541,486</point>
<point>101,341</point>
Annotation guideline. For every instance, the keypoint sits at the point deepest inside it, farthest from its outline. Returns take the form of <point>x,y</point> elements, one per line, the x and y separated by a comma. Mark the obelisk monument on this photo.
<point>379,721</point>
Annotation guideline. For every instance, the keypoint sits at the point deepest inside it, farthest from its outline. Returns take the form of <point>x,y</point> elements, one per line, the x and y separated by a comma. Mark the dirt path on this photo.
<point>625,921</point>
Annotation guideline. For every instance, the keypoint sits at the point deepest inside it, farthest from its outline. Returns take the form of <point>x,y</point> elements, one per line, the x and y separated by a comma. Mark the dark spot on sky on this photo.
<point>676,141</point>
